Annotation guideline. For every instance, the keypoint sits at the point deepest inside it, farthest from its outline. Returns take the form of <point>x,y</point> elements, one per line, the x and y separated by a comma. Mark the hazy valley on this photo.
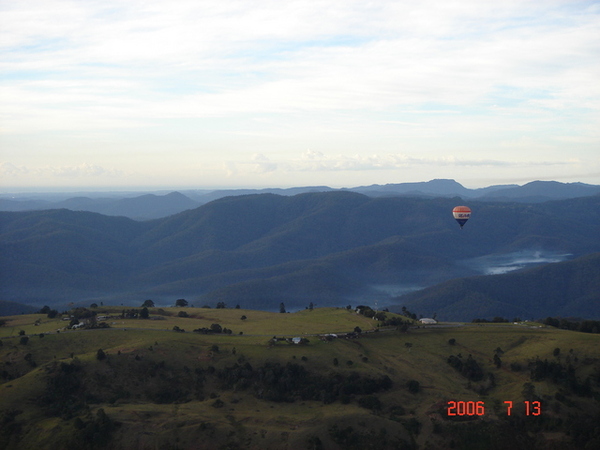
<point>329,248</point>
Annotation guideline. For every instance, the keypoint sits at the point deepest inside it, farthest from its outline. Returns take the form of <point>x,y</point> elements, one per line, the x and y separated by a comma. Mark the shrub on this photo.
<point>413,386</point>
<point>370,402</point>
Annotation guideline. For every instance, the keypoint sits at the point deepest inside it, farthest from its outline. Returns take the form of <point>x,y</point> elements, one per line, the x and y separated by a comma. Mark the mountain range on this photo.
<point>156,205</point>
<point>328,248</point>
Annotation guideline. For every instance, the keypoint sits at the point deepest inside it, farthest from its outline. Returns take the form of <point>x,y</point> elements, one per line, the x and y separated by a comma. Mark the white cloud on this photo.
<point>437,74</point>
<point>82,170</point>
<point>311,161</point>
<point>9,169</point>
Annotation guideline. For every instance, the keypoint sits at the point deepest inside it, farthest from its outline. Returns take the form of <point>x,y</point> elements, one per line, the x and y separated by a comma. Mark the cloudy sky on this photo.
<point>241,93</point>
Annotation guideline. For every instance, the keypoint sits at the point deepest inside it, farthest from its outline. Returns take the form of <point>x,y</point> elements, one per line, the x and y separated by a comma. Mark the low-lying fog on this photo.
<point>497,264</point>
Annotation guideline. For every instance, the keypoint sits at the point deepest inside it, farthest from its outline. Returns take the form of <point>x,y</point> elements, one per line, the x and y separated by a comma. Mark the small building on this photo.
<point>428,321</point>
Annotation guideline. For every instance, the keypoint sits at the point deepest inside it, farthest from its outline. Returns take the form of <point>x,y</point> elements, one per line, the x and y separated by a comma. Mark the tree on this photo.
<point>94,305</point>
<point>182,303</point>
<point>24,340</point>
<point>357,330</point>
<point>182,314</point>
<point>413,386</point>
<point>100,355</point>
<point>144,314</point>
<point>311,306</point>
<point>243,317</point>
<point>221,305</point>
<point>282,308</point>
<point>497,361</point>
<point>148,304</point>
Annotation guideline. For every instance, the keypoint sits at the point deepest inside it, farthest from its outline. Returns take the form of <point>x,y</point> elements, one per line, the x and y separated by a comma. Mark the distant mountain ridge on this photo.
<point>153,206</point>
<point>144,207</point>
<point>330,248</point>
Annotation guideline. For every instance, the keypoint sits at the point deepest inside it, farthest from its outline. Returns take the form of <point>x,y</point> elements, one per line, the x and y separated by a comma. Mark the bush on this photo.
<point>100,355</point>
<point>370,402</point>
<point>413,386</point>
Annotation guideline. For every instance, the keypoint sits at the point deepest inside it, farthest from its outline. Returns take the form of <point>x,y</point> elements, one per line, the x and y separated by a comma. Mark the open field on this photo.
<point>157,388</point>
<point>318,321</point>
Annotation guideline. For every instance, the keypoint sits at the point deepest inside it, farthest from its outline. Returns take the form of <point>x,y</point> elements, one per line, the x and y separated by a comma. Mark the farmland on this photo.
<point>140,384</point>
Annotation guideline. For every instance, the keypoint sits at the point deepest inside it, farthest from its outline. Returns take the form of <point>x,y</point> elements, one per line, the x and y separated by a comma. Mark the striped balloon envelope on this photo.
<point>461,214</point>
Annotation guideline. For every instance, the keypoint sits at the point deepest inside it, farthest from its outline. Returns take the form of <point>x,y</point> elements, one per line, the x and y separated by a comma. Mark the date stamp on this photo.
<point>460,408</point>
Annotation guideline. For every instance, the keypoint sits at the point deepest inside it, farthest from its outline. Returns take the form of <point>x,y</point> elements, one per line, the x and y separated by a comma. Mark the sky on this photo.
<point>238,93</point>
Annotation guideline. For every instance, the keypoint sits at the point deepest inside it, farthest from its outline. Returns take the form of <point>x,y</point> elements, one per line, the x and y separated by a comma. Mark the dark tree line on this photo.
<point>291,382</point>
<point>563,375</point>
<point>584,326</point>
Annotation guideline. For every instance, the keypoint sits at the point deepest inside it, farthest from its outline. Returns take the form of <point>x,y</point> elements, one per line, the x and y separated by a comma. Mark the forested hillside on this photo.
<point>258,250</point>
<point>567,289</point>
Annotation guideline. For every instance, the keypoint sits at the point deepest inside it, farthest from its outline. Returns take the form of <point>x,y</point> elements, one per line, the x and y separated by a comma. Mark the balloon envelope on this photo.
<point>461,214</point>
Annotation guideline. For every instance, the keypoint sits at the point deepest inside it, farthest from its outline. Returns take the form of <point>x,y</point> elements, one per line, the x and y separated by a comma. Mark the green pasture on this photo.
<point>420,355</point>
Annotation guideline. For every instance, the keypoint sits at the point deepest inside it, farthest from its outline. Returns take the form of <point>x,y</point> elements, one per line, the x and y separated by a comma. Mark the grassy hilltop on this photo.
<point>140,384</point>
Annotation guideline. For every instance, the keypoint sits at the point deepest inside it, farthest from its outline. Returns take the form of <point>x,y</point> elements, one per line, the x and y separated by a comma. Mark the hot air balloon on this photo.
<point>461,214</point>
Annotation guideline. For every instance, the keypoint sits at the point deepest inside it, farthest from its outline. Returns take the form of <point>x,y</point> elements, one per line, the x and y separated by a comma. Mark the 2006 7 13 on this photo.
<point>471,408</point>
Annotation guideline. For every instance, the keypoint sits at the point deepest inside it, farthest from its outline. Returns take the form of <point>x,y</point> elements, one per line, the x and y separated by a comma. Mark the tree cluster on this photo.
<point>291,382</point>
<point>215,328</point>
<point>584,326</point>
<point>407,313</point>
<point>494,320</point>
<point>370,313</point>
<point>51,313</point>
<point>563,375</point>
<point>468,368</point>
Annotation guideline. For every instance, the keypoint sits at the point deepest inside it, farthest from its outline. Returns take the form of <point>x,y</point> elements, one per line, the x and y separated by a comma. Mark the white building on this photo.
<point>427,321</point>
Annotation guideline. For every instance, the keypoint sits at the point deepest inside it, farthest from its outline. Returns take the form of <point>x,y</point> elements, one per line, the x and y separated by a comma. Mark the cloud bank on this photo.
<point>217,81</point>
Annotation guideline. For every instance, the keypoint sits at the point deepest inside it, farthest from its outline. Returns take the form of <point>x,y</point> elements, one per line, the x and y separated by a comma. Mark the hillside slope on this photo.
<point>147,383</point>
<point>566,289</point>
